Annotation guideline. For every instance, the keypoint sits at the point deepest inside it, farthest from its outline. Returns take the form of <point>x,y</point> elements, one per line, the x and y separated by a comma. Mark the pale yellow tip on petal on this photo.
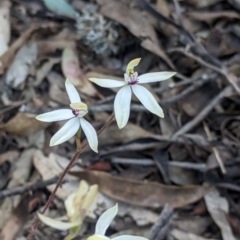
<point>131,65</point>
<point>52,144</point>
<point>161,115</point>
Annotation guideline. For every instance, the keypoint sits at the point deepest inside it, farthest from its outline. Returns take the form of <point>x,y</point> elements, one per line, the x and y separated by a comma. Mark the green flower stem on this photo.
<point>59,182</point>
<point>78,140</point>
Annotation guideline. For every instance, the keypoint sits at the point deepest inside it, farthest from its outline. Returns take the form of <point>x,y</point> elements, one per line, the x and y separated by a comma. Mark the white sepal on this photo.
<point>68,130</point>
<point>90,134</point>
<point>155,77</point>
<point>122,106</point>
<point>57,115</point>
<point>147,100</point>
<point>72,92</point>
<point>105,220</point>
<point>98,237</point>
<point>129,237</point>
<point>57,224</point>
<point>107,83</point>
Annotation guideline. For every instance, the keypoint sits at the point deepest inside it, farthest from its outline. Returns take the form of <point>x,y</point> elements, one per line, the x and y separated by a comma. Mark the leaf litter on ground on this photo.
<point>151,162</point>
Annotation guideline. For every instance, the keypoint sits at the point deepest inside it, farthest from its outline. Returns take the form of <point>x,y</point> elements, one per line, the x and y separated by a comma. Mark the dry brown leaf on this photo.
<point>180,235</point>
<point>20,175</point>
<point>202,3</point>
<point>127,134</point>
<point>136,23</point>
<point>204,96</point>
<point>194,224</point>
<point>8,56</point>
<point>211,16</point>
<point>46,47</point>
<point>23,124</point>
<point>48,167</point>
<point>72,71</point>
<point>4,26</point>
<point>57,90</point>
<point>217,207</point>
<point>14,225</point>
<point>164,9</point>
<point>181,176</point>
<point>20,67</point>
<point>9,156</point>
<point>141,216</point>
<point>43,71</point>
<point>144,194</point>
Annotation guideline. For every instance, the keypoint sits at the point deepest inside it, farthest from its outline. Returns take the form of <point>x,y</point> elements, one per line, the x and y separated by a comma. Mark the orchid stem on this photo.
<point>78,140</point>
<point>59,182</point>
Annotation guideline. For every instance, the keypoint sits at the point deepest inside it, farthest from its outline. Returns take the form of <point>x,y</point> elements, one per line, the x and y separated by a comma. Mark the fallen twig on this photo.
<point>205,111</point>
<point>230,77</point>
<point>29,187</point>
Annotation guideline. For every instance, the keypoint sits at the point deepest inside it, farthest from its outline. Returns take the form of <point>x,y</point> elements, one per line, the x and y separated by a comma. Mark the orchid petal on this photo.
<point>57,224</point>
<point>129,237</point>
<point>105,220</point>
<point>90,134</point>
<point>98,237</point>
<point>131,65</point>
<point>89,198</point>
<point>155,77</point>
<point>68,130</point>
<point>107,83</point>
<point>122,106</point>
<point>147,100</point>
<point>57,115</point>
<point>72,92</point>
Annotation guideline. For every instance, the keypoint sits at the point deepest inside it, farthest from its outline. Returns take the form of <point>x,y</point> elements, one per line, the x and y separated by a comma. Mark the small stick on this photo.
<point>232,79</point>
<point>185,92</point>
<point>215,150</point>
<point>205,111</point>
<point>28,187</point>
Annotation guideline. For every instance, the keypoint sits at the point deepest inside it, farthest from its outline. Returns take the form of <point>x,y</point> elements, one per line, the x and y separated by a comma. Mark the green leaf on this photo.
<point>60,7</point>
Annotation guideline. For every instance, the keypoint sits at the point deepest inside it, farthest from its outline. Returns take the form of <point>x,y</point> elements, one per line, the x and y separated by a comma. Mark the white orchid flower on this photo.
<point>76,121</point>
<point>132,83</point>
<point>104,222</point>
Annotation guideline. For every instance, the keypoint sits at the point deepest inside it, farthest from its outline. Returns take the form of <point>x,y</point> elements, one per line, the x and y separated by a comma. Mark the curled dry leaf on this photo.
<point>19,69</point>
<point>8,56</point>
<point>71,70</point>
<point>144,194</point>
<point>23,124</point>
<point>4,26</point>
<point>218,207</point>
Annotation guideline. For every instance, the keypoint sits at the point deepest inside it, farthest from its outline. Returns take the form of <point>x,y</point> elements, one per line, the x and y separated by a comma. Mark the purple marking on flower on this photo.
<point>75,112</point>
<point>133,82</point>
<point>132,79</point>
